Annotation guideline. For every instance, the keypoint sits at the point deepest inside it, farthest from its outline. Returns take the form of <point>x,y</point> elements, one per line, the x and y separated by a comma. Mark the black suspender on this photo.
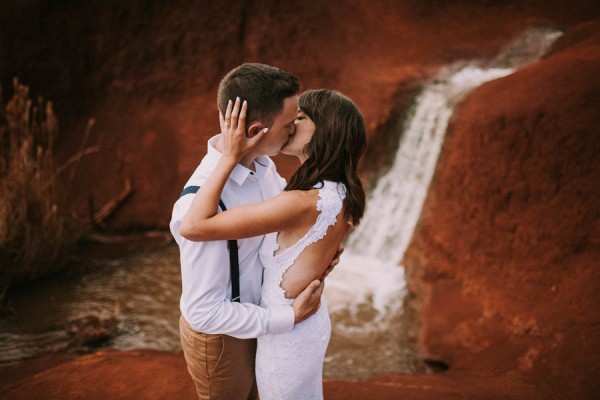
<point>234,263</point>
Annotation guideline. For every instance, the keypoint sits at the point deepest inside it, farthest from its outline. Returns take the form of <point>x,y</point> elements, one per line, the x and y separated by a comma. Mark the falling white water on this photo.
<point>395,204</point>
<point>369,270</point>
<point>370,274</point>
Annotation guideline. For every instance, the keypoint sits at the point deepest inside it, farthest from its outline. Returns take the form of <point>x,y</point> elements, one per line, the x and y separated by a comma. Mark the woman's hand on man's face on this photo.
<point>233,127</point>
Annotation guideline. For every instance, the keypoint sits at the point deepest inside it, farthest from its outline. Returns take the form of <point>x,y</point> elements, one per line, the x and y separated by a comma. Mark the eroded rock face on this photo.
<point>148,73</point>
<point>504,260</point>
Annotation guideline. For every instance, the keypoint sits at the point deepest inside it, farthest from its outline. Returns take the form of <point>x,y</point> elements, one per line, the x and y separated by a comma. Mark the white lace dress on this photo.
<point>290,365</point>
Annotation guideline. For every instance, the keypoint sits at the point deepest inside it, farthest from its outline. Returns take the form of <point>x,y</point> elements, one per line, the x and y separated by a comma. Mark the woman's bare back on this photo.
<point>315,258</point>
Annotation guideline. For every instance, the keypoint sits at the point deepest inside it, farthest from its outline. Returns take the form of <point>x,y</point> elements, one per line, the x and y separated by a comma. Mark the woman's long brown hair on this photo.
<point>335,148</point>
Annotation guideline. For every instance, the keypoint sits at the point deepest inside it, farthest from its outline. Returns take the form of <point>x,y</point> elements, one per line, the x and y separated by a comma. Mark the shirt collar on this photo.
<point>240,173</point>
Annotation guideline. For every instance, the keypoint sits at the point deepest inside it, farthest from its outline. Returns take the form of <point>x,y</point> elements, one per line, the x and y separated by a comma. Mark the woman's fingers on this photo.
<point>235,113</point>
<point>238,117</point>
<point>241,124</point>
<point>228,114</point>
<point>234,129</point>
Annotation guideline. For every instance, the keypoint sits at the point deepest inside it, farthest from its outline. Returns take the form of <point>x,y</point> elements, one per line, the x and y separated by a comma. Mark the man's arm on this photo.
<point>206,287</point>
<point>206,297</point>
<point>213,312</point>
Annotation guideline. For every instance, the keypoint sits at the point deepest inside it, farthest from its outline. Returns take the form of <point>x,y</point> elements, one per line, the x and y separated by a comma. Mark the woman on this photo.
<point>305,226</point>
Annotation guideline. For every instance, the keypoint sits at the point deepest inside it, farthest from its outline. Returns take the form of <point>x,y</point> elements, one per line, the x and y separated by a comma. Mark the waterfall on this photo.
<point>395,204</point>
<point>370,275</point>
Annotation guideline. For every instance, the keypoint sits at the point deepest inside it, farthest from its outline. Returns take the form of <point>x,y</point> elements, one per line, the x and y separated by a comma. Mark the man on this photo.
<point>216,332</point>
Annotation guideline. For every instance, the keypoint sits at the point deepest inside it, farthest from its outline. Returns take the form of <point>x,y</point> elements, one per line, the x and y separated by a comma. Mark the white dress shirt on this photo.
<point>206,283</point>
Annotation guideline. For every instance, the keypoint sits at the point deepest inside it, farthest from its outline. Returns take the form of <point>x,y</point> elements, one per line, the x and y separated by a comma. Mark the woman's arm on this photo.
<point>202,222</point>
<point>281,212</point>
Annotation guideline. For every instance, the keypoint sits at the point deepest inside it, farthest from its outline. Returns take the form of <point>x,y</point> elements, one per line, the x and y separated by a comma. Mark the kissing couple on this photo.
<point>254,248</point>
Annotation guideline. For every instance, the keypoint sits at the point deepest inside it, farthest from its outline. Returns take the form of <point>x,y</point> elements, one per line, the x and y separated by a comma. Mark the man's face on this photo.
<point>283,126</point>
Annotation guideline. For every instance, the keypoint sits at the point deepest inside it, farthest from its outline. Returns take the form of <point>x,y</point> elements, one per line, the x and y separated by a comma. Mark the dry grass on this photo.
<point>32,232</point>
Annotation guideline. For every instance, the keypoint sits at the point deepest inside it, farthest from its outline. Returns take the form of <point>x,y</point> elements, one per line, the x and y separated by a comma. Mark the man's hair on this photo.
<point>264,88</point>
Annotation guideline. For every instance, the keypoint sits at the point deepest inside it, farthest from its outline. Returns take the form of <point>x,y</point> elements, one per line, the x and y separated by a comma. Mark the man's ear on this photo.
<point>254,128</point>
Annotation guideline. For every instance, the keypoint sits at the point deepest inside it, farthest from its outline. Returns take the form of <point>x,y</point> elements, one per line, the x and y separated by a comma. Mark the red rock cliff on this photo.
<point>505,257</point>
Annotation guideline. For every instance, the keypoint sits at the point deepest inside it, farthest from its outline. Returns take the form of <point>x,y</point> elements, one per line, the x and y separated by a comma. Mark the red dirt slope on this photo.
<point>505,258</point>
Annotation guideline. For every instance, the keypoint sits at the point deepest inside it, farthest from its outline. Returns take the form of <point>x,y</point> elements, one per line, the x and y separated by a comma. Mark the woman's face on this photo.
<point>300,136</point>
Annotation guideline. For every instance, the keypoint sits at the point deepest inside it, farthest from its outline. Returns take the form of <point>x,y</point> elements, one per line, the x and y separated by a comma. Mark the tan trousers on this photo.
<point>221,366</point>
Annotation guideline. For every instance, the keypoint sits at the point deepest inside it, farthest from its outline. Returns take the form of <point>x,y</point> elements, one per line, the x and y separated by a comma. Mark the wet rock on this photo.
<point>91,329</point>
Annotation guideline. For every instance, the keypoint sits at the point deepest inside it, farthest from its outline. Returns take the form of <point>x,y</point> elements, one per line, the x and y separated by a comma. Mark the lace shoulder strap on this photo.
<point>329,205</point>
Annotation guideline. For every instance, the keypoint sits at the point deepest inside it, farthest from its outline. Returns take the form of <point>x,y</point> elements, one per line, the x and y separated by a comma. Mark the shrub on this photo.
<point>32,232</point>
